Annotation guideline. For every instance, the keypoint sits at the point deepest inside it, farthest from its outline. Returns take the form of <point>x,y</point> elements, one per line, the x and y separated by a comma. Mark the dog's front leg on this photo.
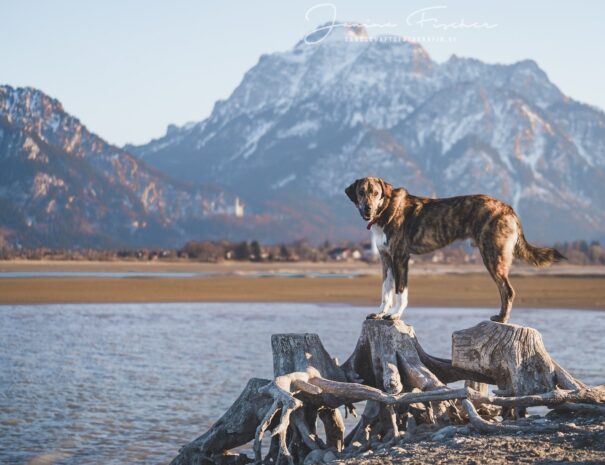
<point>388,290</point>
<point>401,288</point>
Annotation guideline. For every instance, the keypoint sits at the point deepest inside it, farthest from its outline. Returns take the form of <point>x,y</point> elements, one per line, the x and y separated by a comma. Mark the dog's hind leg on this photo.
<point>401,288</point>
<point>388,289</point>
<point>498,257</point>
<point>507,295</point>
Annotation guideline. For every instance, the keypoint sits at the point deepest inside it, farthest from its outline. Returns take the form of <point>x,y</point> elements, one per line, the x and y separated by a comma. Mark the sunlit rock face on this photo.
<point>62,186</point>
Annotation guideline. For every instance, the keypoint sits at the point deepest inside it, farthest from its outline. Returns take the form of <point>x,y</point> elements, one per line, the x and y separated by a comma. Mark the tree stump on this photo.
<point>386,357</point>
<point>299,353</point>
<point>513,356</point>
<point>401,383</point>
<point>389,357</point>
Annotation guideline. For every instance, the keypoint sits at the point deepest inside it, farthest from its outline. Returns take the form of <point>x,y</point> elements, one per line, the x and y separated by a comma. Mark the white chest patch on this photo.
<point>378,237</point>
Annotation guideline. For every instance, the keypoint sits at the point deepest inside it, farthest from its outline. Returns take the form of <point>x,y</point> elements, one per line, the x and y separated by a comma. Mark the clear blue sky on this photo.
<point>129,68</point>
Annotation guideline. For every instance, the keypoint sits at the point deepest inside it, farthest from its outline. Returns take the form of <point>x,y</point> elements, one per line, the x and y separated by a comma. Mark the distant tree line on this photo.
<point>214,251</point>
<point>577,252</point>
<point>583,252</point>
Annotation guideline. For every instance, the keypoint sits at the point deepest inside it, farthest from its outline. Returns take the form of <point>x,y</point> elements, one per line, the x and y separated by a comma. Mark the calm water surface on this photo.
<point>131,383</point>
<point>184,274</point>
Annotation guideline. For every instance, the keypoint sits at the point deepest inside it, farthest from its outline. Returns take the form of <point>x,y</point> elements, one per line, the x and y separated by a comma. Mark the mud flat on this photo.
<point>247,268</point>
<point>434,290</point>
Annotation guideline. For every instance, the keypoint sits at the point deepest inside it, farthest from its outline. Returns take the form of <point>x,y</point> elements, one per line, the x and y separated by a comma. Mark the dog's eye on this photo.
<point>375,193</point>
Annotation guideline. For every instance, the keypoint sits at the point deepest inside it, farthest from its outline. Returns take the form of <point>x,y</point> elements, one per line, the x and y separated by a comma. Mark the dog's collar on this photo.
<point>372,223</point>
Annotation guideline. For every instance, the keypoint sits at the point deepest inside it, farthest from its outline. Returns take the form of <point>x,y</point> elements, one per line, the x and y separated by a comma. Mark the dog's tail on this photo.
<point>538,256</point>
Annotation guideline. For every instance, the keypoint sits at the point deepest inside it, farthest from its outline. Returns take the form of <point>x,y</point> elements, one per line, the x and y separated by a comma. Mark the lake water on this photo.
<point>131,383</point>
<point>184,274</point>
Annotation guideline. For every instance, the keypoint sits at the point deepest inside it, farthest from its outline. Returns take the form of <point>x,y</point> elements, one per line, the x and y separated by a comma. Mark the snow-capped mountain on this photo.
<point>306,122</point>
<point>62,186</point>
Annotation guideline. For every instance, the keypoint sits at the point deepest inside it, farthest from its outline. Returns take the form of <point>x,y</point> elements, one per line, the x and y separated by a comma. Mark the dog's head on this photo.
<point>369,195</point>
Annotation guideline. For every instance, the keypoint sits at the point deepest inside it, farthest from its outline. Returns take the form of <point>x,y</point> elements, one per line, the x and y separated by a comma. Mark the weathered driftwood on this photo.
<point>389,357</point>
<point>401,384</point>
<point>485,426</point>
<point>513,356</point>
<point>484,409</point>
<point>580,408</point>
<point>296,359</point>
<point>236,427</point>
<point>556,398</point>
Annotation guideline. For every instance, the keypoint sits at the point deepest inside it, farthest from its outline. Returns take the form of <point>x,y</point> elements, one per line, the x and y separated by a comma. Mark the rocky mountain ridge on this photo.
<point>304,123</point>
<point>63,186</point>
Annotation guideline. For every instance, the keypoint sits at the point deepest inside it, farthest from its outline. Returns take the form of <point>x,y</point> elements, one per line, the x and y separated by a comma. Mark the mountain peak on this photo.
<point>340,105</point>
<point>25,102</point>
<point>336,32</point>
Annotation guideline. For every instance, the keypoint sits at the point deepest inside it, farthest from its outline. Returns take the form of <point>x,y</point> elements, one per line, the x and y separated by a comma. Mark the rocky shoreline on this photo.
<point>581,440</point>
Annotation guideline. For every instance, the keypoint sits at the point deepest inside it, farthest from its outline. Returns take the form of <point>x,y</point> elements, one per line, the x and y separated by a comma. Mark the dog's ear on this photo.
<point>387,189</point>
<point>351,192</point>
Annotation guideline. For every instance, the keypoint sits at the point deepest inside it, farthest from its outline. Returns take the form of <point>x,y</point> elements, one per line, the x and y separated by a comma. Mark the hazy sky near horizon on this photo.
<point>129,68</point>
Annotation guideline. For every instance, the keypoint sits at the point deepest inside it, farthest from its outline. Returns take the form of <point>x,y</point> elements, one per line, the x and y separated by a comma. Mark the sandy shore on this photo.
<point>232,267</point>
<point>237,282</point>
<point>584,446</point>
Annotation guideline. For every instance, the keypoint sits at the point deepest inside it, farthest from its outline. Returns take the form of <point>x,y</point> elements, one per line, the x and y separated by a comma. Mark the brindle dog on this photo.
<point>404,224</point>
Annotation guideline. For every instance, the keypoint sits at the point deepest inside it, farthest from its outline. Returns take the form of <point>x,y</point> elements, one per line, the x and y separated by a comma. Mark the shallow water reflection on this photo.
<point>131,383</point>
